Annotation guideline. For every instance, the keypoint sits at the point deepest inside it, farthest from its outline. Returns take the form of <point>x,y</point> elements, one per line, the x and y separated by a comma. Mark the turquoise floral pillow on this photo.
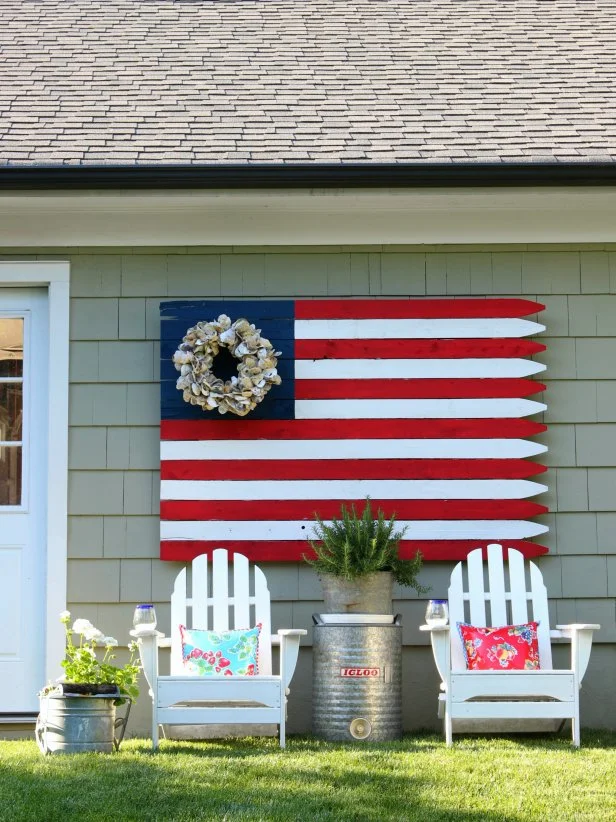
<point>214,653</point>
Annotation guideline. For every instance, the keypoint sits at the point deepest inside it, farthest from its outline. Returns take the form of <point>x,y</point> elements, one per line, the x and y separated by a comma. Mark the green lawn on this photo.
<point>506,779</point>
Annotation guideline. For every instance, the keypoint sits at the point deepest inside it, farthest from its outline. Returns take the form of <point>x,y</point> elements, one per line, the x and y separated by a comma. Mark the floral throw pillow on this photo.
<point>512,647</point>
<point>220,653</point>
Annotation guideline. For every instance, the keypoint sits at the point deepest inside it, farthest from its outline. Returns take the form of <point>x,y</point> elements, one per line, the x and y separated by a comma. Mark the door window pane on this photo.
<point>10,475</point>
<point>11,347</point>
<point>11,406</point>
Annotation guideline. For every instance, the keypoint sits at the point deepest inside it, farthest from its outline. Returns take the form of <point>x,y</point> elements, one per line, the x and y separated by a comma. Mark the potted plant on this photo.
<point>357,559</point>
<point>78,712</point>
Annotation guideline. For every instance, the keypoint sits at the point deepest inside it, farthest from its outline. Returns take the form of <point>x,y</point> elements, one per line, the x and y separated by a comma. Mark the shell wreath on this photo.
<point>256,371</point>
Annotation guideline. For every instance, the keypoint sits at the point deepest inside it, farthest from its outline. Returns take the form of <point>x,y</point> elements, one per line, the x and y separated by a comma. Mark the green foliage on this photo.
<point>356,545</point>
<point>82,665</point>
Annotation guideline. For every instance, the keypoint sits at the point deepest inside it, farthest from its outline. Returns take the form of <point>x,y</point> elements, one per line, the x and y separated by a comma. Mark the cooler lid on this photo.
<point>354,619</point>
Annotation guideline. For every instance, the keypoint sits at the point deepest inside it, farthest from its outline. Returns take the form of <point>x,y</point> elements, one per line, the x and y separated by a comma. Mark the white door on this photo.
<point>24,398</point>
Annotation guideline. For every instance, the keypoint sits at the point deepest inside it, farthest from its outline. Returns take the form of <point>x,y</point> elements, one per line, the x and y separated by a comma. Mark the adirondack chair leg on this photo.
<point>154,733</point>
<point>283,721</point>
<point>448,728</point>
<point>575,728</point>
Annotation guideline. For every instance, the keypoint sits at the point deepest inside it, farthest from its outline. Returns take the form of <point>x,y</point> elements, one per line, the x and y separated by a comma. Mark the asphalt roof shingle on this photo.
<point>142,82</point>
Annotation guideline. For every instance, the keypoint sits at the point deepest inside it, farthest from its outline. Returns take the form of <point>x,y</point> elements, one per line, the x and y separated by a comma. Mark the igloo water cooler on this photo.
<point>357,677</point>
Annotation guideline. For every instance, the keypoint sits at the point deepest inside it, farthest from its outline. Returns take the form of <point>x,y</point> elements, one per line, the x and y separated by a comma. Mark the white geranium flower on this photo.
<point>80,626</point>
<point>65,616</point>
<point>109,642</point>
<point>93,633</point>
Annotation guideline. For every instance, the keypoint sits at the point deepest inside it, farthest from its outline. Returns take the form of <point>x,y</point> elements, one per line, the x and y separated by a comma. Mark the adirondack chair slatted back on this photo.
<point>205,601</point>
<point>499,597</point>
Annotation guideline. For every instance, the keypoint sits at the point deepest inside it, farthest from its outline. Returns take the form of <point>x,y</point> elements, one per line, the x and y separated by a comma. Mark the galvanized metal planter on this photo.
<point>77,723</point>
<point>370,594</point>
<point>357,680</point>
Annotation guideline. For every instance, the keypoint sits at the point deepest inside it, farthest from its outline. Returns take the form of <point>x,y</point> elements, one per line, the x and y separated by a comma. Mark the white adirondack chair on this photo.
<point>506,599</point>
<point>181,699</point>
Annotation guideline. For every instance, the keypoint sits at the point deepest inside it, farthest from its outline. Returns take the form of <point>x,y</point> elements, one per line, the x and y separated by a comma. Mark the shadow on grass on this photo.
<point>416,778</point>
<point>251,779</point>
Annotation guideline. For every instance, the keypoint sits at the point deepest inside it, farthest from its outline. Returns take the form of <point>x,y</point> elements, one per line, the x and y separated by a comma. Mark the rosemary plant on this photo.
<point>359,544</point>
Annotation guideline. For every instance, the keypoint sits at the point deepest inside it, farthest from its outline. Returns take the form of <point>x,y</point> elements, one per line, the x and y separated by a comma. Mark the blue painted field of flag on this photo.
<point>275,319</point>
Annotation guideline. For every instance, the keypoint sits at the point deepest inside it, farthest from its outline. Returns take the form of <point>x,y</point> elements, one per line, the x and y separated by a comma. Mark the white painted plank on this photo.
<point>512,710</point>
<point>456,614</point>
<point>199,593</point>
<point>557,684</point>
<point>221,716</point>
<point>496,580</point>
<point>517,587</point>
<point>241,590</point>
<point>237,688</point>
<point>350,449</point>
<point>385,329</point>
<point>456,596</point>
<point>463,368</point>
<point>220,590</point>
<point>417,409</point>
<point>263,616</point>
<point>476,591</point>
<point>178,617</point>
<point>301,529</point>
<point>348,489</point>
<point>539,598</point>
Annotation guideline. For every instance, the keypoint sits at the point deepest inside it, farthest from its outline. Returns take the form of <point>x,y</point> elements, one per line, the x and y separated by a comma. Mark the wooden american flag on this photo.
<point>421,404</point>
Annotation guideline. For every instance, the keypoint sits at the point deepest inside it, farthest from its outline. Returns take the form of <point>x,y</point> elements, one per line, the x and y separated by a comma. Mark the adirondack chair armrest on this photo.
<point>578,626</point>
<point>441,648</point>
<point>289,650</point>
<point>163,641</point>
<point>580,635</point>
<point>277,638</point>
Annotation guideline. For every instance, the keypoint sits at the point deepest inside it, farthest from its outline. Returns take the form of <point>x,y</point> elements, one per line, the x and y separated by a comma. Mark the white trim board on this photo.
<point>567,214</point>
<point>55,276</point>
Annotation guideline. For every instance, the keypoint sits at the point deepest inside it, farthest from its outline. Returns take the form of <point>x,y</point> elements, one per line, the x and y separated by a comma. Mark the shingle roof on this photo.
<point>253,81</point>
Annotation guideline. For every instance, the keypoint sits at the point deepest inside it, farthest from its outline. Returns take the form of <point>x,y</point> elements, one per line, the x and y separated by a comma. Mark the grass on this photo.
<point>478,780</point>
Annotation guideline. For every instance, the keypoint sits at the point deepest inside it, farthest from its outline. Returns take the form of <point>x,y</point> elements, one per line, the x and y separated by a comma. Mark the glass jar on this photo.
<point>144,618</point>
<point>437,612</point>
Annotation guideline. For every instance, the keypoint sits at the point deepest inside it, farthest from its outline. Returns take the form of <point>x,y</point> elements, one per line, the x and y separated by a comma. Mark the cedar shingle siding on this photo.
<point>114,413</point>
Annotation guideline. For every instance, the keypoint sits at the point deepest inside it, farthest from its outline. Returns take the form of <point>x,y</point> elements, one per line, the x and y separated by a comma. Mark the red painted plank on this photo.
<point>404,509</point>
<point>402,469</point>
<point>415,389</point>
<point>415,349</point>
<point>246,429</point>
<point>459,549</point>
<point>293,550</point>
<point>414,309</point>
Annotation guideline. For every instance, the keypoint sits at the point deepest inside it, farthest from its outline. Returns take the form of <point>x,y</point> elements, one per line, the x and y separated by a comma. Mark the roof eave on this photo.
<point>306,175</point>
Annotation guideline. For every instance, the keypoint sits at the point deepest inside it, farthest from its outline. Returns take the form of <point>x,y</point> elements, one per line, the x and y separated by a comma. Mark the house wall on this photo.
<point>114,415</point>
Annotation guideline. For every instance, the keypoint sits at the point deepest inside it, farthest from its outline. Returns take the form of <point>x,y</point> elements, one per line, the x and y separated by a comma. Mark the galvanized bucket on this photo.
<point>357,680</point>
<point>79,724</point>
<point>368,594</point>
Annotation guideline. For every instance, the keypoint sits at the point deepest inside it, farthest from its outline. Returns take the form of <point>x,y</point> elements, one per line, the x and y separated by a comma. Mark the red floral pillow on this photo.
<point>510,648</point>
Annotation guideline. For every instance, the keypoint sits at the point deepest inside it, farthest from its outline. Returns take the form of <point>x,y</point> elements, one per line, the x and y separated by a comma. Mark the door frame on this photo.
<point>55,276</point>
